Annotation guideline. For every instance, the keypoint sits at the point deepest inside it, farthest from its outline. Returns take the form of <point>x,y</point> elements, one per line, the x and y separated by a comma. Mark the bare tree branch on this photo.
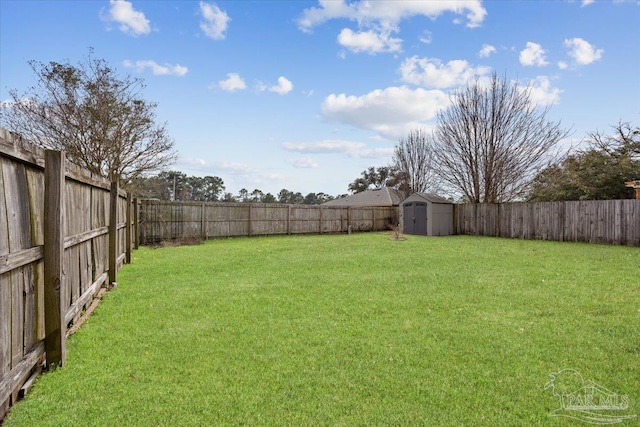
<point>493,140</point>
<point>413,159</point>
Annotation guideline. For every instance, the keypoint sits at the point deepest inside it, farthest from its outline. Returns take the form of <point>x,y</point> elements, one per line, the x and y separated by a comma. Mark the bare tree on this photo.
<point>413,161</point>
<point>99,119</point>
<point>625,140</point>
<point>492,141</point>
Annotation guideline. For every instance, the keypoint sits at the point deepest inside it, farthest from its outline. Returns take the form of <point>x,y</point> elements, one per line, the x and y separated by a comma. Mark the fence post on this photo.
<point>288,219</point>
<point>455,218</point>
<point>203,223</point>
<point>54,290</point>
<point>250,219</point>
<point>128,229</point>
<point>136,223</point>
<point>373,219</point>
<point>320,219</point>
<point>113,233</point>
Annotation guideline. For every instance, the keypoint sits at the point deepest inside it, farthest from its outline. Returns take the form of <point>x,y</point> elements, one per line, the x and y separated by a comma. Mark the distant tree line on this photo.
<point>177,186</point>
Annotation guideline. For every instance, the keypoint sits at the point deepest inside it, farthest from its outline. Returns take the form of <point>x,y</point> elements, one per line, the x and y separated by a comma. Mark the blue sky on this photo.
<point>305,95</point>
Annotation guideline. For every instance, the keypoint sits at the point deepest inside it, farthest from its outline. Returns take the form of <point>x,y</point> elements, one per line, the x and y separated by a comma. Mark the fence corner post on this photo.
<point>54,286</point>
<point>113,233</point>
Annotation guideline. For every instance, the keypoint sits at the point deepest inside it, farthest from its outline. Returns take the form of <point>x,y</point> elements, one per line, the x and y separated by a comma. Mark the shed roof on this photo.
<point>383,197</point>
<point>433,198</point>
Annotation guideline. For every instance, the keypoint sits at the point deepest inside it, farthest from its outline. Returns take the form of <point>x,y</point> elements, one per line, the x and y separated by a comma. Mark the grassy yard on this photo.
<point>349,330</point>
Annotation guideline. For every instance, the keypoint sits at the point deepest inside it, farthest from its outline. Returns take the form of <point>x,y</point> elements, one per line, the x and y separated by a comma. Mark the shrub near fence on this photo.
<point>593,221</point>
<point>162,220</point>
<point>63,235</point>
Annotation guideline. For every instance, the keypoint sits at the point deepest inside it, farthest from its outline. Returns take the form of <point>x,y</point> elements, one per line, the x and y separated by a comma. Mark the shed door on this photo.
<point>420,219</point>
<point>407,214</point>
<point>415,218</point>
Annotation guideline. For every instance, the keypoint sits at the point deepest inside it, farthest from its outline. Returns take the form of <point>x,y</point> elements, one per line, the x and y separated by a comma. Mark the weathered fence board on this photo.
<point>5,302</point>
<point>594,221</point>
<point>55,286</point>
<point>162,220</point>
<point>65,223</point>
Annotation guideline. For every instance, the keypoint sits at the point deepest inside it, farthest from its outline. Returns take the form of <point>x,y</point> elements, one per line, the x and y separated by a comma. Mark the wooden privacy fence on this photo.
<point>63,235</point>
<point>161,220</point>
<point>594,221</point>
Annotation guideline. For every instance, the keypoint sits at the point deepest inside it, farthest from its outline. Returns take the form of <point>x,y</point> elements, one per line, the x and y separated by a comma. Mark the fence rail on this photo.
<point>594,221</point>
<point>63,236</point>
<point>162,220</point>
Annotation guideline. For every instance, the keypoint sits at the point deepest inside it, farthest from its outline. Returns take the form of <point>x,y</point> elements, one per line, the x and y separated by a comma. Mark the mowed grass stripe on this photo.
<point>349,330</point>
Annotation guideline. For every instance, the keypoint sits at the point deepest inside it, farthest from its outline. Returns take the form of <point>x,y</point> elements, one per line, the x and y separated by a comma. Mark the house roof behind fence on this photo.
<point>433,198</point>
<point>383,197</point>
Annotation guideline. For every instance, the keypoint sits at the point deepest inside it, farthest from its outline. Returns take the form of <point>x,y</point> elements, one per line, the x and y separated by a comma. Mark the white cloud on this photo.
<point>268,178</point>
<point>215,21</point>
<point>234,167</point>
<point>337,146</point>
<point>283,87</point>
<point>303,163</point>
<point>328,10</point>
<point>582,51</point>
<point>131,21</point>
<point>157,69</point>
<point>376,153</point>
<point>541,92</point>
<point>431,72</point>
<point>486,51</point>
<point>194,165</point>
<point>324,147</point>
<point>28,102</point>
<point>426,37</point>
<point>232,83</point>
<point>369,41</point>
<point>587,2</point>
<point>533,55</point>
<point>563,65</point>
<point>388,13</point>
<point>253,175</point>
<point>390,112</point>
<point>377,20</point>
<point>201,167</point>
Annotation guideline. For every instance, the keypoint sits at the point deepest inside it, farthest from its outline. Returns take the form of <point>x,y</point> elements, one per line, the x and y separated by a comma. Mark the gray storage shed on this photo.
<point>426,215</point>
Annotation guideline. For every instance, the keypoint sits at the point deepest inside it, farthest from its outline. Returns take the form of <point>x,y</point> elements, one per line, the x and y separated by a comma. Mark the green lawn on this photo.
<point>349,330</point>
